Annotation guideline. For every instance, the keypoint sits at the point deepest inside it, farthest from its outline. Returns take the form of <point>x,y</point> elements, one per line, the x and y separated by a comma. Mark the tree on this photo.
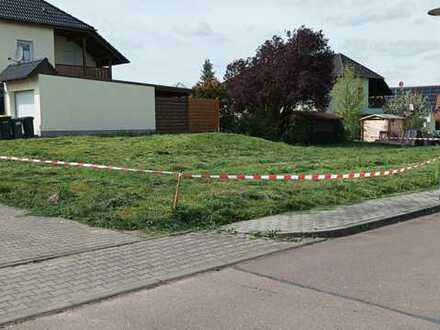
<point>208,72</point>
<point>347,100</point>
<point>284,74</point>
<point>211,89</point>
<point>208,87</point>
<point>411,105</point>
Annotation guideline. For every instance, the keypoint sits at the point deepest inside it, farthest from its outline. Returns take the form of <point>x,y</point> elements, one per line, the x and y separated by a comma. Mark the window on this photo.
<point>24,51</point>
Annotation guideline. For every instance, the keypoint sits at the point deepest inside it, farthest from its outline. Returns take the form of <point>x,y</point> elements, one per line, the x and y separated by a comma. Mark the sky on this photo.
<point>167,41</point>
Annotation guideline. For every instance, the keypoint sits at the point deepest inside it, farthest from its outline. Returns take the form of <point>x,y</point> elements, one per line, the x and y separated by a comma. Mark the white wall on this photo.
<point>69,52</point>
<point>23,85</point>
<point>372,129</point>
<point>75,106</point>
<point>42,38</point>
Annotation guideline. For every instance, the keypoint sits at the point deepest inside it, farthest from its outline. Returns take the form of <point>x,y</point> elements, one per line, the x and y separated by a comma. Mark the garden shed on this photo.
<point>381,126</point>
<point>313,127</point>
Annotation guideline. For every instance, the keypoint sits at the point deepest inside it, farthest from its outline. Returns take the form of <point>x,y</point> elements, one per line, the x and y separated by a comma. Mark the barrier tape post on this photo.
<point>177,194</point>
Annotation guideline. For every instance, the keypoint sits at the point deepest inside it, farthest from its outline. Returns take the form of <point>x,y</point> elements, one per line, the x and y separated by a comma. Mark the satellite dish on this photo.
<point>435,12</point>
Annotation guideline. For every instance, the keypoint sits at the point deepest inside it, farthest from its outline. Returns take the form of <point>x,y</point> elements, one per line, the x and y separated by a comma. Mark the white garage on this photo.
<point>64,105</point>
<point>73,106</point>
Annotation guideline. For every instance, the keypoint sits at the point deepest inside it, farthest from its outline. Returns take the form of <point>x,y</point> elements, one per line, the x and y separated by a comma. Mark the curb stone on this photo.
<point>342,221</point>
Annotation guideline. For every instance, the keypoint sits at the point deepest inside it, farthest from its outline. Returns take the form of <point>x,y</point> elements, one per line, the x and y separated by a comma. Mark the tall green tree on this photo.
<point>347,100</point>
<point>411,105</point>
<point>208,87</point>
<point>208,72</point>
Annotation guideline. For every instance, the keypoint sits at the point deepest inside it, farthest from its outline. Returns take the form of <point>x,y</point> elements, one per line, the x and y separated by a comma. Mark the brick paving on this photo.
<point>32,289</point>
<point>341,218</point>
<point>53,264</point>
<point>28,239</point>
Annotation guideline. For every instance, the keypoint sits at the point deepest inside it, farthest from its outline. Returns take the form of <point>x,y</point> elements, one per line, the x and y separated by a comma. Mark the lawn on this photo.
<point>137,201</point>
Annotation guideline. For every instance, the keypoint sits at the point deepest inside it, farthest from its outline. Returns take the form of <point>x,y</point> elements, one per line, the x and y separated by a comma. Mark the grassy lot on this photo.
<point>137,201</point>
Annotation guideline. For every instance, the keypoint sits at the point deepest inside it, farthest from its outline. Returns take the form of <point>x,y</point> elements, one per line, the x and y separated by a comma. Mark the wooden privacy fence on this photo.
<point>172,114</point>
<point>187,115</point>
<point>203,115</point>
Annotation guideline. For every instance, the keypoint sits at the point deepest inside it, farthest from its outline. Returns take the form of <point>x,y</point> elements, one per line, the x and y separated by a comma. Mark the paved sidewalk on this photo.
<point>387,278</point>
<point>341,220</point>
<point>26,238</point>
<point>32,289</point>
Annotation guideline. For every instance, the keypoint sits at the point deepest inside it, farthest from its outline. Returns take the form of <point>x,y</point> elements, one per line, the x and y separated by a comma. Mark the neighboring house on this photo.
<point>375,87</point>
<point>431,94</point>
<point>58,69</point>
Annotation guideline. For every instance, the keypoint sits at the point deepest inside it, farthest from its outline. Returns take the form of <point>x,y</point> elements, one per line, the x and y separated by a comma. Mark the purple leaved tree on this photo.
<point>284,74</point>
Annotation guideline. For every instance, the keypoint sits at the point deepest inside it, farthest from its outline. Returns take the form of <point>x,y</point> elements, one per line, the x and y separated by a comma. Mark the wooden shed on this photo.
<point>381,126</point>
<point>312,127</point>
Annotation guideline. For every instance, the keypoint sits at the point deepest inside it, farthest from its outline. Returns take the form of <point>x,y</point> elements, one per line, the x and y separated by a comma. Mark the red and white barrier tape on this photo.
<point>413,139</point>
<point>313,177</point>
<point>84,165</point>
<point>226,177</point>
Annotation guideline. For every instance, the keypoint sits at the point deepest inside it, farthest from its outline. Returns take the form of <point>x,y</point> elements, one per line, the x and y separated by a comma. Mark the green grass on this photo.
<point>137,201</point>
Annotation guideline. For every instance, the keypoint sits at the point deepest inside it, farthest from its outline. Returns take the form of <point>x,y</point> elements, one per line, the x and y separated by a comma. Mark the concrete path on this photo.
<point>343,220</point>
<point>383,279</point>
<point>52,264</point>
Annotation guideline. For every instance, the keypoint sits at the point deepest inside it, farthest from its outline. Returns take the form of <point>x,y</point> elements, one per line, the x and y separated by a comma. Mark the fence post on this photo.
<point>177,194</point>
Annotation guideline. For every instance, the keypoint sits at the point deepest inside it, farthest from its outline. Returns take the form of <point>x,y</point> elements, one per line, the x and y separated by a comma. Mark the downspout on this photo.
<point>84,57</point>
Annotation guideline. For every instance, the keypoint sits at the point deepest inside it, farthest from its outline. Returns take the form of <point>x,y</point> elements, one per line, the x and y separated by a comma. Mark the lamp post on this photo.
<point>434,12</point>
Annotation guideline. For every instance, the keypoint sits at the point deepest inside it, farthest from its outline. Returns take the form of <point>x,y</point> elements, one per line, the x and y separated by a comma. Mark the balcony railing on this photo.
<point>79,71</point>
<point>376,102</point>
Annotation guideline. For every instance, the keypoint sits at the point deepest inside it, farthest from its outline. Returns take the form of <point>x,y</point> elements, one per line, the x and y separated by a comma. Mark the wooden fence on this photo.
<point>187,115</point>
<point>171,115</point>
<point>203,115</point>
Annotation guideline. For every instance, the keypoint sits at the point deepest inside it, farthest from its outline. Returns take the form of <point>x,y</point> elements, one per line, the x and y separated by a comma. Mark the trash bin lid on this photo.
<point>5,118</point>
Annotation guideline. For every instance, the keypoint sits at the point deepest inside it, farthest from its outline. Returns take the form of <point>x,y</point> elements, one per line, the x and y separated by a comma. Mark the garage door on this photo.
<point>25,104</point>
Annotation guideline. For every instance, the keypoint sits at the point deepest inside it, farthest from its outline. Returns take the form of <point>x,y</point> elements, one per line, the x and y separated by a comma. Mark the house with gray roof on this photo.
<point>59,70</point>
<point>375,87</point>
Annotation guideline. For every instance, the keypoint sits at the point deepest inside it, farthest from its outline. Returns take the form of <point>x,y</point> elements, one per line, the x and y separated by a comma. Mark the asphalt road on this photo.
<point>384,279</point>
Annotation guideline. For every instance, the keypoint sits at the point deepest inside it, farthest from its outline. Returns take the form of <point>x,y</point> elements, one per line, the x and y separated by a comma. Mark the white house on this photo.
<point>58,69</point>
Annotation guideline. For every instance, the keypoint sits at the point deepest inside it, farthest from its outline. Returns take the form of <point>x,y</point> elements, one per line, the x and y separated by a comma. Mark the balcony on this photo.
<point>376,102</point>
<point>78,71</point>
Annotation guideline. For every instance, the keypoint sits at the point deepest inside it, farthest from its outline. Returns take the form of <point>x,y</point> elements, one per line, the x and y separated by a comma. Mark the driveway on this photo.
<point>384,279</point>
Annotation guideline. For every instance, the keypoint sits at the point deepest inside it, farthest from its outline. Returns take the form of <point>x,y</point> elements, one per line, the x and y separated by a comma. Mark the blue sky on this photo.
<point>167,41</point>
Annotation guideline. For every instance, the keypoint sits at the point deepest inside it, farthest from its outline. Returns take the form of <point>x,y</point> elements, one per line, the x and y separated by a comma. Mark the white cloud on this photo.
<point>167,41</point>
<point>373,15</point>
